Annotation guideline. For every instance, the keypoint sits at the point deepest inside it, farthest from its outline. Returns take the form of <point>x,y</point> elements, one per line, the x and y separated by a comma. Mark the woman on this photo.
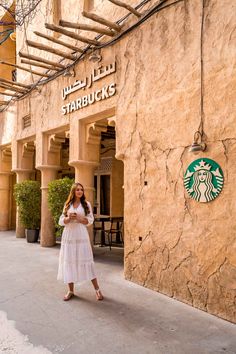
<point>76,258</point>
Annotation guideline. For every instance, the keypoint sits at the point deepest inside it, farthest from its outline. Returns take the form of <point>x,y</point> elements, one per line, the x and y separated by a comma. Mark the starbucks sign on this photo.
<point>203,180</point>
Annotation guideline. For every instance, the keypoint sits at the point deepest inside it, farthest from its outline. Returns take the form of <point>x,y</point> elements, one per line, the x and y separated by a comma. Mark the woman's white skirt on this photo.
<point>76,262</point>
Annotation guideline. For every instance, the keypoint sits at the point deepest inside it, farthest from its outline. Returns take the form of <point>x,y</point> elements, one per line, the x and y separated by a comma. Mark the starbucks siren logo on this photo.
<point>203,180</point>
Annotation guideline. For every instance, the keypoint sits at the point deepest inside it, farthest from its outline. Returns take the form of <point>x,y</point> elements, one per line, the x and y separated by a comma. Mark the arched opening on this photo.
<point>109,199</point>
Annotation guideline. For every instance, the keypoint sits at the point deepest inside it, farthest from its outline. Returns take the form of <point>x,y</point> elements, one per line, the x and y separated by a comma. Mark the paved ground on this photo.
<point>132,319</point>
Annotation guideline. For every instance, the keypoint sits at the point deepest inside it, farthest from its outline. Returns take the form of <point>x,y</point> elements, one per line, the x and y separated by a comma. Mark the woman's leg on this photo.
<point>99,295</point>
<point>71,287</point>
<point>95,283</point>
<point>70,293</point>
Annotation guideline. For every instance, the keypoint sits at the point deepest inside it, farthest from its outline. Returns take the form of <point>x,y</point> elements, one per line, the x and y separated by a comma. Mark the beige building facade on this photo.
<point>132,116</point>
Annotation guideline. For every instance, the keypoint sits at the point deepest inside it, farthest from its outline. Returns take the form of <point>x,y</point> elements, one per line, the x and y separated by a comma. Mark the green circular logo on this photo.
<point>203,180</point>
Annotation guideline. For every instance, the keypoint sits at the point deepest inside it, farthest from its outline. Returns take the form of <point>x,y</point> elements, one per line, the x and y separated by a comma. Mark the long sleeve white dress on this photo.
<point>76,262</point>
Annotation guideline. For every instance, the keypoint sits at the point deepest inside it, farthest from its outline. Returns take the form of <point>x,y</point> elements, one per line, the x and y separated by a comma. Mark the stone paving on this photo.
<point>131,319</point>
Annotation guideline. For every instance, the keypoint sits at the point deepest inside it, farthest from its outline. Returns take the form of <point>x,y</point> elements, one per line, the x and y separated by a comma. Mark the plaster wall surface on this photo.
<point>7,124</point>
<point>8,47</point>
<point>187,249</point>
<point>48,12</point>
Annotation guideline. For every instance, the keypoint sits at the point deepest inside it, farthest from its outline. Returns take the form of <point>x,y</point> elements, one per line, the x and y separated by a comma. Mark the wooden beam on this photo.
<point>11,88</point>
<point>22,68</point>
<point>15,83</point>
<point>46,48</point>
<point>128,7</point>
<point>71,34</point>
<point>52,39</point>
<point>85,27</point>
<point>9,94</point>
<point>34,57</point>
<point>41,65</point>
<point>3,103</point>
<point>102,20</point>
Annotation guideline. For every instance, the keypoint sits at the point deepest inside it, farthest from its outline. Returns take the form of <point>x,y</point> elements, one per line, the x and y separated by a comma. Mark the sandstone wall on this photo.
<point>188,248</point>
<point>7,124</point>
<point>7,48</point>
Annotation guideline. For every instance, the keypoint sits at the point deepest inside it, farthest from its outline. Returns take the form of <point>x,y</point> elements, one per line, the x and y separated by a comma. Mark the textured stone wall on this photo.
<point>7,124</point>
<point>174,244</point>
<point>7,48</point>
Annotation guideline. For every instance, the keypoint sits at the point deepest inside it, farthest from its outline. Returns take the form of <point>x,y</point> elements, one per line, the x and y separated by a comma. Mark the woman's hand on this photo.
<point>66,219</point>
<point>70,217</point>
<point>81,219</point>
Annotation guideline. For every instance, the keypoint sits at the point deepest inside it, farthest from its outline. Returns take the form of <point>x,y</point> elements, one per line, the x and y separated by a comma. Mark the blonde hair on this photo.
<point>71,199</point>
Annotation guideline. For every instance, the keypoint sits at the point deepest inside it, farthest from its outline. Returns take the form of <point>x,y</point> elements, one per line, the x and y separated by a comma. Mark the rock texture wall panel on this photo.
<point>174,244</point>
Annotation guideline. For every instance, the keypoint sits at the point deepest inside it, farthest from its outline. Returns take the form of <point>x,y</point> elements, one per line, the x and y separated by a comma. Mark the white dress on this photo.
<point>76,258</point>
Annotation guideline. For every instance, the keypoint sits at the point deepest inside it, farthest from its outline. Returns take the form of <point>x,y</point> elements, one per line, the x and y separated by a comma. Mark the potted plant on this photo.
<point>58,191</point>
<point>28,199</point>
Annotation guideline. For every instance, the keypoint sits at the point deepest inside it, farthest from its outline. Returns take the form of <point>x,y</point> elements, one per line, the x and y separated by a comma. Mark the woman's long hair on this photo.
<point>71,199</point>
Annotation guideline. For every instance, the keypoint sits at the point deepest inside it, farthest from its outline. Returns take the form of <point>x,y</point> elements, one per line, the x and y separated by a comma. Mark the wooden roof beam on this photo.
<point>128,7</point>
<point>41,60</point>
<point>41,65</point>
<point>11,88</point>
<point>24,69</point>
<point>71,34</point>
<point>9,94</point>
<point>46,48</point>
<point>15,83</point>
<point>102,20</point>
<point>86,27</point>
<point>52,39</point>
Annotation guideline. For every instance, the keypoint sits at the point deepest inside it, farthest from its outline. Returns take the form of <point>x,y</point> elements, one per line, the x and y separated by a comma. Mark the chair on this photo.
<point>116,229</point>
<point>96,228</point>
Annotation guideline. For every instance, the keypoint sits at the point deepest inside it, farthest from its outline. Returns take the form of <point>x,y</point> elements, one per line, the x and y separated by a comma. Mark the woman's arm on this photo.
<point>63,220</point>
<point>89,216</point>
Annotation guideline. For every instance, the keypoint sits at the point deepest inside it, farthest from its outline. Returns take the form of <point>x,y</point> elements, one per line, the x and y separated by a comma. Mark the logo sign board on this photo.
<point>203,180</point>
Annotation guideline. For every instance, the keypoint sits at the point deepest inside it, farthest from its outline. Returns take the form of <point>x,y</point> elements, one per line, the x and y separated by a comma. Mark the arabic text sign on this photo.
<point>90,98</point>
<point>96,75</point>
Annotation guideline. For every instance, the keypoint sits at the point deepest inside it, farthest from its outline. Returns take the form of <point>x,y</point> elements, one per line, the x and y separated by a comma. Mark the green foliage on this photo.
<point>58,192</point>
<point>28,199</point>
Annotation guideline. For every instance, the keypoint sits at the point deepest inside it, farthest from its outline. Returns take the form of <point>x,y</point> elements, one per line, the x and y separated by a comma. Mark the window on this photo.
<point>13,75</point>
<point>95,208</point>
<point>102,197</point>
<point>26,120</point>
<point>102,185</point>
<point>105,194</point>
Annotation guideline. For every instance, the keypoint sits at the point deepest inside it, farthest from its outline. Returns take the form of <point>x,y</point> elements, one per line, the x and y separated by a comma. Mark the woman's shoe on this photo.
<point>68,296</point>
<point>99,295</point>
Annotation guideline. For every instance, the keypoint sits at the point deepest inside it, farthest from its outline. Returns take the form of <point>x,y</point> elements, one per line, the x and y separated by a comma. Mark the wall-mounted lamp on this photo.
<point>69,72</point>
<point>95,56</point>
<point>13,36</point>
<point>197,144</point>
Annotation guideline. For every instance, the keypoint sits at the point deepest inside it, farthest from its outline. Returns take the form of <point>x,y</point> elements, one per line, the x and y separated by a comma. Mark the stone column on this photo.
<point>47,230</point>
<point>21,175</point>
<point>84,174</point>
<point>5,210</point>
